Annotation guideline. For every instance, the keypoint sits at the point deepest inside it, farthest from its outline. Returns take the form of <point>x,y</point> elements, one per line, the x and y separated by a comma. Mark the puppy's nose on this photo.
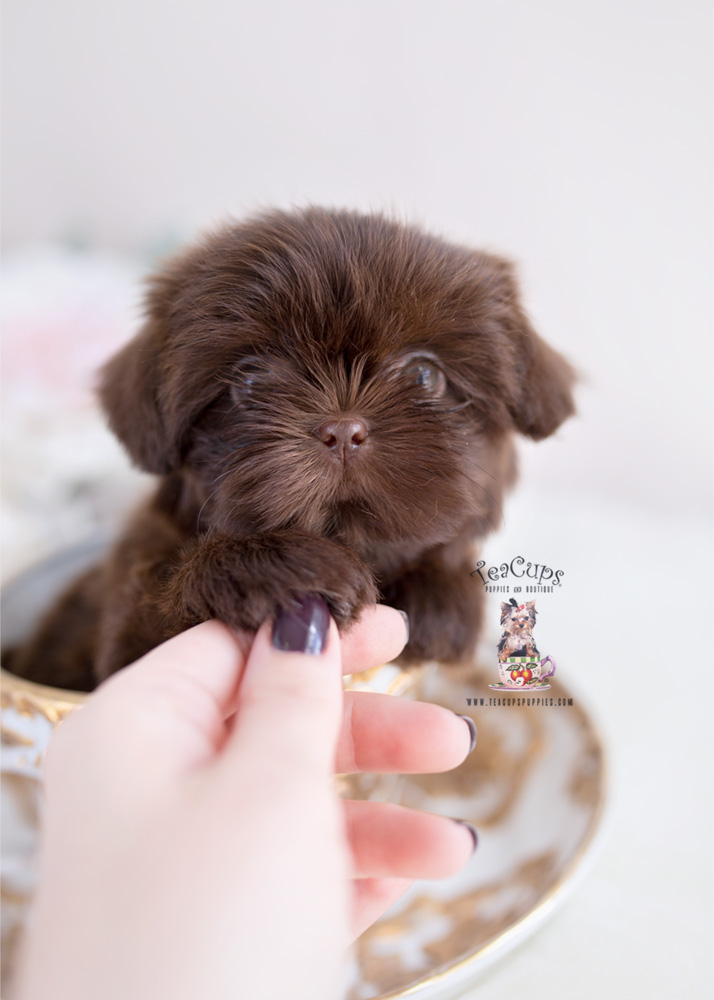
<point>343,437</point>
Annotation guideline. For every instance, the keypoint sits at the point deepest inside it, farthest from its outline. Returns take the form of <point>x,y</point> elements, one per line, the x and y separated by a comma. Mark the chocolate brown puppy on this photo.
<point>330,401</point>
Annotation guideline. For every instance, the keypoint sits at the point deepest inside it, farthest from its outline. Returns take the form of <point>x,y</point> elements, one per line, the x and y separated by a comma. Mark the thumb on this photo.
<point>290,696</point>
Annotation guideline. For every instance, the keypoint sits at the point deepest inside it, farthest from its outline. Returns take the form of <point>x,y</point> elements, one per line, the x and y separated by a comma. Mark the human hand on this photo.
<point>193,841</point>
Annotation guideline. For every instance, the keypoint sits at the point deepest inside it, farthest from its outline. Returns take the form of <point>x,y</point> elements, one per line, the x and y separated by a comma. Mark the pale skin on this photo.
<point>193,840</point>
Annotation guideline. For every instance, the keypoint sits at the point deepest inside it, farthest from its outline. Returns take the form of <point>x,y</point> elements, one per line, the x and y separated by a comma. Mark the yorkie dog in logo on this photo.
<point>520,666</point>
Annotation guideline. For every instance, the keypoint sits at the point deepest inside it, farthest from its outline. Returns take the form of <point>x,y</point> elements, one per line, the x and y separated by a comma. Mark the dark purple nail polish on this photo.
<point>303,630</point>
<point>472,830</point>
<point>472,729</point>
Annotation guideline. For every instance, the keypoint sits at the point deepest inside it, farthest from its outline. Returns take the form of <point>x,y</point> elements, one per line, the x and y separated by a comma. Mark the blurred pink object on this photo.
<point>64,313</point>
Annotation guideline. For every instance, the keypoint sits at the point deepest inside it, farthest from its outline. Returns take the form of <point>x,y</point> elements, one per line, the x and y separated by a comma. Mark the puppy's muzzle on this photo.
<point>343,437</point>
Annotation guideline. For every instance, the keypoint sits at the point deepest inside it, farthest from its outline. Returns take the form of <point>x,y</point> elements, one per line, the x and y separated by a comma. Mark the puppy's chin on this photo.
<point>388,508</point>
<point>366,520</point>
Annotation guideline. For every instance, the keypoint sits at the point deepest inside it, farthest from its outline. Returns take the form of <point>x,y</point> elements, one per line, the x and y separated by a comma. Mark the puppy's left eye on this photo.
<point>248,376</point>
<point>427,375</point>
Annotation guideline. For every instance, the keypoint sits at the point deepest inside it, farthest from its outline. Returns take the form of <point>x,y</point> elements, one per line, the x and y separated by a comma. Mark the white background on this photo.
<point>574,137</point>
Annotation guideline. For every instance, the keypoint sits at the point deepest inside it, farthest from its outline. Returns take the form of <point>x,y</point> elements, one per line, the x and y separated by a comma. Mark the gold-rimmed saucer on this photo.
<point>535,789</point>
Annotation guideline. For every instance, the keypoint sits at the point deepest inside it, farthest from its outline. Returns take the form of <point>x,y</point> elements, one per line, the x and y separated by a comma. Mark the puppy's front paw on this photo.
<point>244,581</point>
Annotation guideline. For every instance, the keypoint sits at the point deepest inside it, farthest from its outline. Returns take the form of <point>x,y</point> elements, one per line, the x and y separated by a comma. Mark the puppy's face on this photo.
<point>340,374</point>
<point>518,620</point>
<point>372,446</point>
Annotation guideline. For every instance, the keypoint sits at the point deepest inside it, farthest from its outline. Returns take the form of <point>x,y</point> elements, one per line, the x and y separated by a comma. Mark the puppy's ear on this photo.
<point>129,392</point>
<point>133,385</point>
<point>154,389</point>
<point>543,392</point>
<point>539,386</point>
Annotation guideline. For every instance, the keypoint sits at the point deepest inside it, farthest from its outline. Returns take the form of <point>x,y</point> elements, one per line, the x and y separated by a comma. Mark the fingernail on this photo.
<point>405,616</point>
<point>303,630</point>
<point>472,729</point>
<point>472,830</point>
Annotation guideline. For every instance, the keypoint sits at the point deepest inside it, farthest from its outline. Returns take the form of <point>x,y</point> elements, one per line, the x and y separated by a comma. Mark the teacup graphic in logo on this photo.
<point>519,673</point>
<point>520,664</point>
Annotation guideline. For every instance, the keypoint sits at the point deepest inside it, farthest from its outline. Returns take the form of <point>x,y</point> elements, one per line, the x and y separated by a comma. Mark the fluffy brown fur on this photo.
<point>330,400</point>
